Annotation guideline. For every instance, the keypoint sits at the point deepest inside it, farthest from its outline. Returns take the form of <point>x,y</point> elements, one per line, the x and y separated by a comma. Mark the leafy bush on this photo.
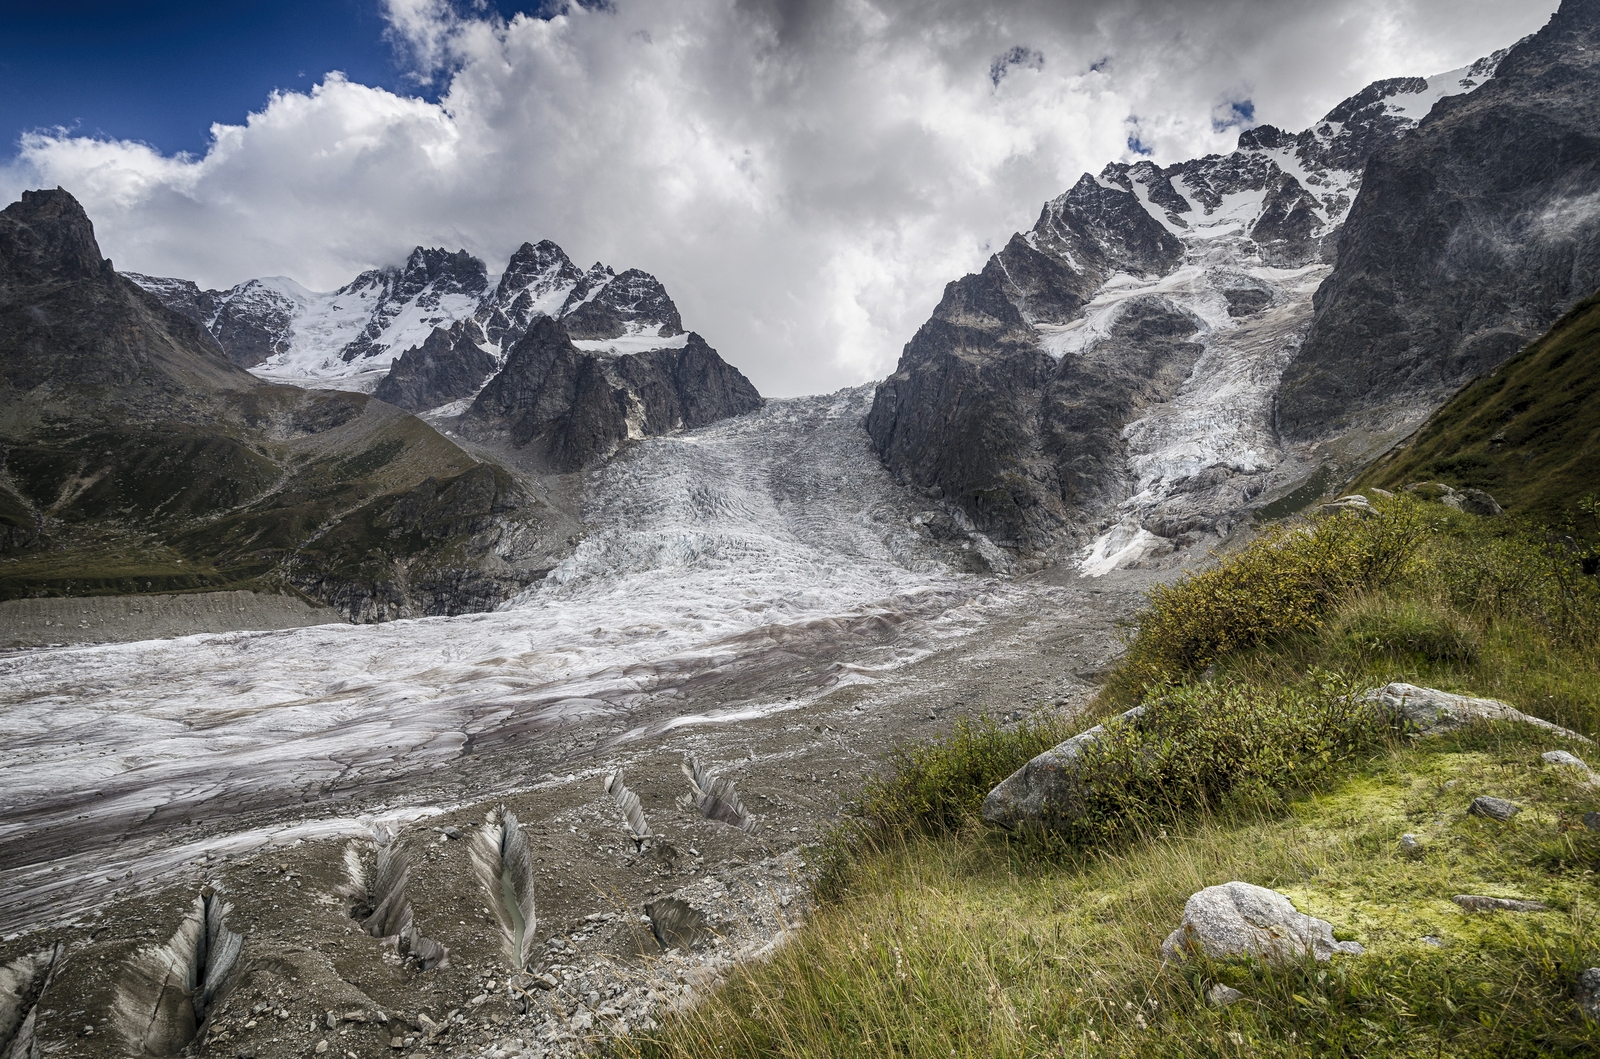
<point>1217,747</point>
<point>1283,582</point>
<point>1522,574</point>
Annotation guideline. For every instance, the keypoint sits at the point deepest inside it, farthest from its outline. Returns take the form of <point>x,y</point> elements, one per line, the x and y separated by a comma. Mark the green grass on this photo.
<point>1529,433</point>
<point>937,935</point>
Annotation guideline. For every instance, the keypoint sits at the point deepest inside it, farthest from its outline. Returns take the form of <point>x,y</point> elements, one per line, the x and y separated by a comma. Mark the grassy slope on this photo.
<point>940,936</point>
<point>1529,433</point>
<point>161,508</point>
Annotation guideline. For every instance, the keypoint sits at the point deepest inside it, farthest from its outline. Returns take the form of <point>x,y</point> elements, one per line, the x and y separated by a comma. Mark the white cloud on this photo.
<point>804,175</point>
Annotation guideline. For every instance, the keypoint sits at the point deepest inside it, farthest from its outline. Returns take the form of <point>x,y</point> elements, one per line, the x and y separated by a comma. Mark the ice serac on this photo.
<point>1107,379</point>
<point>1470,237</point>
<point>570,408</point>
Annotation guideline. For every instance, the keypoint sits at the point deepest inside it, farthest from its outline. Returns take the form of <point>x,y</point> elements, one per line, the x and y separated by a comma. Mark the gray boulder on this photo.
<point>1434,712</point>
<point>1494,808</point>
<point>1221,996</point>
<point>1240,919</point>
<point>1046,786</point>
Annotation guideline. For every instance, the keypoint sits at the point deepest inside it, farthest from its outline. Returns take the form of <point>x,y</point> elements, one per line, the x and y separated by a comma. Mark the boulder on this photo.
<point>1478,502</point>
<point>1434,712</point>
<point>1221,996</point>
<point>1046,786</point>
<point>1562,759</point>
<point>1240,919</point>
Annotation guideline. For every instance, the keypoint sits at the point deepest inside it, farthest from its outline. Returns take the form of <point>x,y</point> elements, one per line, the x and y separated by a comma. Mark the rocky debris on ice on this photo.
<point>1434,712</point>
<point>1241,919</point>
<point>1046,788</point>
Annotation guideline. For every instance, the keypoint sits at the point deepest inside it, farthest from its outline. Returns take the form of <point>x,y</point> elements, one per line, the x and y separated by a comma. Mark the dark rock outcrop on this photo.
<point>633,302</point>
<point>1015,439</point>
<point>447,367</point>
<point>1471,235</point>
<point>572,408</point>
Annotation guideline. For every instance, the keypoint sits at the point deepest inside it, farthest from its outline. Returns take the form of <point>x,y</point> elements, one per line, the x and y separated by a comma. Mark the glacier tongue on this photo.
<point>772,543</point>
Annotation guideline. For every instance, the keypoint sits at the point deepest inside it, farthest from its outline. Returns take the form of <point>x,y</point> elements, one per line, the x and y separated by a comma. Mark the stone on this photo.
<point>1494,808</point>
<point>322,1046</point>
<point>1591,821</point>
<point>1476,903</point>
<point>1478,502</point>
<point>1355,502</point>
<point>1433,712</point>
<point>1046,787</point>
<point>1221,996</point>
<point>1588,993</point>
<point>1562,759</point>
<point>1430,939</point>
<point>1410,844</point>
<point>452,832</point>
<point>1241,919</point>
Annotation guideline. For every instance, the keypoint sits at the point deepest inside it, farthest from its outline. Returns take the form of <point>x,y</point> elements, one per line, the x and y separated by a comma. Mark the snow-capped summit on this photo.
<point>350,338</point>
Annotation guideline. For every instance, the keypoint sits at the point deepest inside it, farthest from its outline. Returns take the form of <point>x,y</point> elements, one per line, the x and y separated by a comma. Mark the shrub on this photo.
<point>1283,582</point>
<point>1215,747</point>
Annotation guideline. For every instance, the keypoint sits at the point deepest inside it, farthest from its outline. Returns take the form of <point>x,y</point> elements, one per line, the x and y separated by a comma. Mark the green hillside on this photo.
<point>1529,433</point>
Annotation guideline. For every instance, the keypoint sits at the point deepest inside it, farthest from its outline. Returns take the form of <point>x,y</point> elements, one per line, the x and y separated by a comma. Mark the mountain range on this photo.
<point>1169,352</point>
<point>1170,349</point>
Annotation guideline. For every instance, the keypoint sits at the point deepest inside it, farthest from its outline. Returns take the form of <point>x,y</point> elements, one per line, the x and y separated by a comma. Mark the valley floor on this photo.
<point>759,594</point>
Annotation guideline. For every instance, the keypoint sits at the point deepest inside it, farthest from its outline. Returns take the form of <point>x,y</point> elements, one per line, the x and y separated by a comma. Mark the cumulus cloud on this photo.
<point>804,175</point>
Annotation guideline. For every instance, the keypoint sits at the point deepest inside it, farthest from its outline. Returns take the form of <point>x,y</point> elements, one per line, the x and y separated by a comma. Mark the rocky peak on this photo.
<point>634,303</point>
<point>46,237</point>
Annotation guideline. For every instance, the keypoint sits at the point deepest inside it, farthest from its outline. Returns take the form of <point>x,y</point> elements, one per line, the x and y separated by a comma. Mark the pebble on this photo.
<point>1220,996</point>
<point>1409,843</point>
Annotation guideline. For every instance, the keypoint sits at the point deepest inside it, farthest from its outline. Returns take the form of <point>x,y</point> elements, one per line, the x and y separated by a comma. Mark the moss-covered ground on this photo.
<point>938,935</point>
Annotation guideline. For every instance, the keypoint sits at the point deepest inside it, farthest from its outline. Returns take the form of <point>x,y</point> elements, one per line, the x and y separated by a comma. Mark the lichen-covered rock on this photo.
<point>1433,711</point>
<point>1494,808</point>
<point>1045,787</point>
<point>1588,993</point>
<point>1241,919</point>
<point>1479,903</point>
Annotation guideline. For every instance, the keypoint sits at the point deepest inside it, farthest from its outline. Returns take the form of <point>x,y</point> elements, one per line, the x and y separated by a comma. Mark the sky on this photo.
<point>804,176</point>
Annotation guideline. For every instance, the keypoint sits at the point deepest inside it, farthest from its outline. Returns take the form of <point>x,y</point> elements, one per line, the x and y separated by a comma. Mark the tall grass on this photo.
<point>939,936</point>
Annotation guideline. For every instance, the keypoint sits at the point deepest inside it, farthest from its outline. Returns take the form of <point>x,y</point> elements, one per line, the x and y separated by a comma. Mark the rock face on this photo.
<point>1239,919</point>
<point>1469,238</point>
<point>1046,787</point>
<point>448,366</point>
<point>1112,370</point>
<point>572,408</point>
<point>1588,993</point>
<point>135,458</point>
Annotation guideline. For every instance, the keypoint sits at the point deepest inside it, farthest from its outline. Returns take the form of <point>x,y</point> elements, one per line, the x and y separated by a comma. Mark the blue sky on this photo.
<point>161,73</point>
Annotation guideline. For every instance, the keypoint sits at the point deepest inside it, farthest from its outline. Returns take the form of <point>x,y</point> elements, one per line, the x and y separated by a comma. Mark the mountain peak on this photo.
<point>47,237</point>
